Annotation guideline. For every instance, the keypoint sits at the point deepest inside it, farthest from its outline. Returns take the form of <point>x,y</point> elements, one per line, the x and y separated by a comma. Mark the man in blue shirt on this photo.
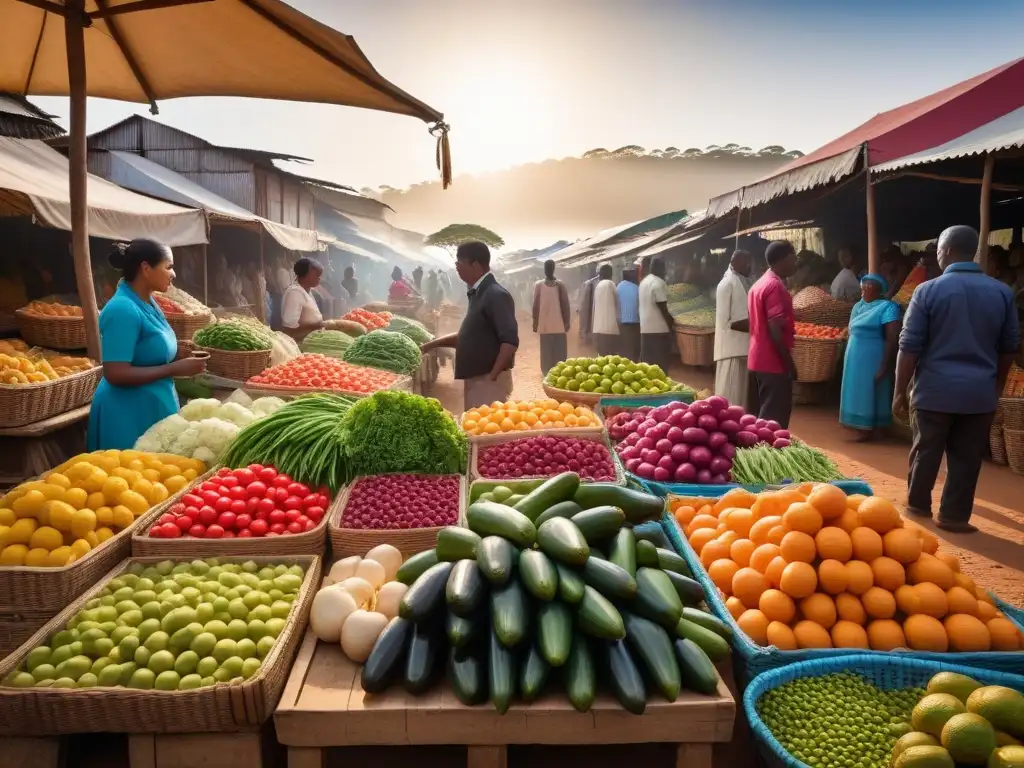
<point>959,339</point>
<point>629,315</point>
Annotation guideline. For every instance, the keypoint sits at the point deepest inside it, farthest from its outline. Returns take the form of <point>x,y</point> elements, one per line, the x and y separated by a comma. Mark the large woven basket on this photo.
<point>1014,439</point>
<point>18,626</point>
<point>589,399</point>
<point>831,312</point>
<point>30,403</point>
<point>186,325</point>
<point>1012,409</point>
<point>815,359</point>
<point>65,333</point>
<point>696,346</point>
<point>237,366</point>
<point>185,349</point>
<point>475,450</point>
<point>808,394</point>
<point>996,441</point>
<point>223,707</point>
<point>358,541</point>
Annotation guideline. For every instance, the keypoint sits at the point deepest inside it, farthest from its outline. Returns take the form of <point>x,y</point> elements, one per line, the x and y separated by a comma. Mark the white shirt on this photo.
<point>606,317</point>
<point>731,307</point>
<point>846,286</point>
<point>653,291</point>
<point>298,307</point>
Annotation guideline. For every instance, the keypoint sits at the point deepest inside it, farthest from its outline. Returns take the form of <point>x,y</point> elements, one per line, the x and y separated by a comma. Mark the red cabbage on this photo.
<point>695,436</point>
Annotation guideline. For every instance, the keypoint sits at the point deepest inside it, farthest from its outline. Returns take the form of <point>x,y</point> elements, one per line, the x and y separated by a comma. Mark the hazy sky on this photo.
<point>525,80</point>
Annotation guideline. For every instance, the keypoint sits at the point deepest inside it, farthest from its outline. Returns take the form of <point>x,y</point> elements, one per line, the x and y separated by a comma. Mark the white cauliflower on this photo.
<point>241,397</point>
<point>205,455</point>
<point>265,406</point>
<point>236,414</point>
<point>203,408</point>
<point>159,437</point>
<point>185,443</point>
<point>216,434</point>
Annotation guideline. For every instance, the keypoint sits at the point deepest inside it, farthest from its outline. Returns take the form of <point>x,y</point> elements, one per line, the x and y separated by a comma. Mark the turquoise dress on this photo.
<point>865,403</point>
<point>136,332</point>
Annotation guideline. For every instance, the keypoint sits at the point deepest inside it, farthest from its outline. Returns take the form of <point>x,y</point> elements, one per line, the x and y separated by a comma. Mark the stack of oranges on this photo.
<point>523,415</point>
<point>810,567</point>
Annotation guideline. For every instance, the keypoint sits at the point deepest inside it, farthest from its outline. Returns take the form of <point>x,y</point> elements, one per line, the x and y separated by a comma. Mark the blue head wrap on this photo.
<point>878,279</point>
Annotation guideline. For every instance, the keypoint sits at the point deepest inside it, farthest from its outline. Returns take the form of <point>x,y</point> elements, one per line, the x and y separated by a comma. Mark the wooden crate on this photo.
<point>323,706</point>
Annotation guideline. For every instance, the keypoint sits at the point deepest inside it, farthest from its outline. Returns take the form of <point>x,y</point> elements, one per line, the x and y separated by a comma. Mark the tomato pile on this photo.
<point>403,501</point>
<point>371,321</point>
<point>325,373</point>
<point>169,306</point>
<point>546,456</point>
<point>251,502</point>
<point>814,331</point>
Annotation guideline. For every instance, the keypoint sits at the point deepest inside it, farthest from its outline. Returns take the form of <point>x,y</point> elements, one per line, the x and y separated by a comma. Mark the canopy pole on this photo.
<point>986,210</point>
<point>206,290</point>
<point>869,205</point>
<point>262,307</point>
<point>78,174</point>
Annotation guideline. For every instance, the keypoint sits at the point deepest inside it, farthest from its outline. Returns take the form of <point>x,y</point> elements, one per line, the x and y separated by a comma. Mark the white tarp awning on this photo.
<point>34,180</point>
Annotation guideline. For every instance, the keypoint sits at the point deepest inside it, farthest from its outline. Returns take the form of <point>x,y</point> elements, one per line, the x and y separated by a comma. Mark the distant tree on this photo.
<point>454,235</point>
<point>630,150</point>
<point>712,148</point>
<point>599,152</point>
<point>670,152</point>
<point>731,147</point>
<point>793,154</point>
<point>386,188</point>
<point>772,150</point>
<point>693,152</point>
<point>656,153</point>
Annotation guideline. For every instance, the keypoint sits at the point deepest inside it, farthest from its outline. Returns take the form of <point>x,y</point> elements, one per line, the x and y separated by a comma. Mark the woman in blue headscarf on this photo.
<point>866,403</point>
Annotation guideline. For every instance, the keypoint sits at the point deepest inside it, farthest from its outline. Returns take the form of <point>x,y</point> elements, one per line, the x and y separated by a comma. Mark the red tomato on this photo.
<point>243,520</point>
<point>245,533</point>
<point>259,527</point>
<point>291,515</point>
<point>191,500</point>
<point>282,481</point>
<point>210,497</point>
<point>280,495</point>
<point>257,488</point>
<point>238,493</point>
<point>183,524</point>
<point>316,514</point>
<point>177,509</point>
<point>325,500</point>
<point>207,515</point>
<point>226,520</point>
<point>238,507</point>
<point>252,504</point>
<point>209,485</point>
<point>293,502</point>
<point>311,500</point>
<point>255,468</point>
<point>278,528</point>
<point>310,525</point>
<point>244,477</point>
<point>170,531</point>
<point>223,504</point>
<point>298,489</point>
<point>214,532</point>
<point>197,531</point>
<point>228,535</point>
<point>156,532</point>
<point>167,517</point>
<point>277,517</point>
<point>192,512</point>
<point>223,472</point>
<point>272,533</point>
<point>264,507</point>
<point>295,527</point>
<point>229,481</point>
<point>267,474</point>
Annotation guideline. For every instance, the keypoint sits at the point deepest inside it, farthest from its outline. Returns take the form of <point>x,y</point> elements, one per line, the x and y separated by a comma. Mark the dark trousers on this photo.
<point>775,393</point>
<point>554,349</point>
<point>606,343</point>
<point>630,341</point>
<point>656,349</point>
<point>963,439</point>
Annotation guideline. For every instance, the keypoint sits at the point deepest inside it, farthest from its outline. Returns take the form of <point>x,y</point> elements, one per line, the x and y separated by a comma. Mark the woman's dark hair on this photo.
<point>129,257</point>
<point>396,273</point>
<point>349,272</point>
<point>305,264</point>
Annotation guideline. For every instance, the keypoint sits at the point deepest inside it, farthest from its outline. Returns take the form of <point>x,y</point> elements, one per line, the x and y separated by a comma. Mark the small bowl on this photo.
<point>200,354</point>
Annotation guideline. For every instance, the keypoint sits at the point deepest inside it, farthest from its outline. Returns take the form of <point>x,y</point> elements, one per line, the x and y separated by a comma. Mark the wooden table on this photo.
<point>37,448</point>
<point>323,705</point>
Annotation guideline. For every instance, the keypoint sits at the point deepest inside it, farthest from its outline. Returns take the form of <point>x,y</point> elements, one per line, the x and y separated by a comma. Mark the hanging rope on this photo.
<point>443,154</point>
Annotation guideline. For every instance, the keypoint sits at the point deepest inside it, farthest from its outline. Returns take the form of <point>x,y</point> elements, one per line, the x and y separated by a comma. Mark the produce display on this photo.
<point>169,627</point>
<point>21,365</point>
<point>809,567</point>
<point>51,522</point>
<point>811,296</point>
<point>545,456</point>
<point>252,502</point>
<point>523,590</point>
<point>386,350</point>
<point>284,348</point>
<point>414,329</point>
<point>311,371</point>
<point>917,276</point>
<point>1014,382</point>
<point>371,321</point>
<point>609,374</point>
<point>522,415</point>
<point>682,291</point>
<point>396,502</point>
<point>52,309</point>
<point>693,304</point>
<point>697,318</point>
<point>233,336</point>
<point>326,342</point>
<point>167,305</point>
<point>188,303</point>
<point>348,327</point>
<point>815,331</point>
<point>764,465</point>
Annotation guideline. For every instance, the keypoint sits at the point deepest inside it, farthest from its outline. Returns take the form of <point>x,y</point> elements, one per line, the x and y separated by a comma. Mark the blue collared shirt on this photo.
<point>629,302</point>
<point>959,324</point>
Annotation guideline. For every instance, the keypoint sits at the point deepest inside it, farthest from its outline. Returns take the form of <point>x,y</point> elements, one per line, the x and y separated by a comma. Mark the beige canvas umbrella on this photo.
<point>146,50</point>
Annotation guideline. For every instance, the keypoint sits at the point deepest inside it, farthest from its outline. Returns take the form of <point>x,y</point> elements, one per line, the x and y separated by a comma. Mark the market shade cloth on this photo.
<point>143,175</point>
<point>927,122</point>
<point>34,180</point>
<point>603,240</point>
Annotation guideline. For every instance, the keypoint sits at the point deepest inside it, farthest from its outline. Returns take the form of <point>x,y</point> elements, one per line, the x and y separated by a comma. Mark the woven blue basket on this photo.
<point>886,671</point>
<point>755,659</point>
<point>639,401</point>
<point>849,487</point>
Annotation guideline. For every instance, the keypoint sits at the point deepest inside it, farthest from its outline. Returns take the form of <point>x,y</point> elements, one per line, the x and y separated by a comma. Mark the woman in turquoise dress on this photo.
<point>138,348</point>
<point>866,403</point>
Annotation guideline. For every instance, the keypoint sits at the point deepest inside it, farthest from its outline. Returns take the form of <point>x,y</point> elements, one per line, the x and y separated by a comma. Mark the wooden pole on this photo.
<point>986,211</point>
<point>206,289</point>
<point>262,308</point>
<point>869,203</point>
<point>78,174</point>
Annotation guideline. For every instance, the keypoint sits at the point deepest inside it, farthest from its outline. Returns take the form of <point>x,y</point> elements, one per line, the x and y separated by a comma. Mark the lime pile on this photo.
<point>610,374</point>
<point>837,721</point>
<point>171,626</point>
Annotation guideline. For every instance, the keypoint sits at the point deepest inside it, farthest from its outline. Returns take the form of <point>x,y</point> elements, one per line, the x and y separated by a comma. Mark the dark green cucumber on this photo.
<point>538,574</point>
<point>670,561</point>
<point>385,661</point>
<point>467,677</point>
<point>561,540</point>
<point>547,494</point>
<point>656,599</point>
<point>706,620</point>
<point>561,509</point>
<point>689,591</point>
<point>570,584</point>
<point>495,558</point>
<point>533,673</point>
<point>581,676</point>
<point>624,676</point>
<point>638,507</point>
<point>622,550</point>
<point>422,660</point>
<point>646,554</point>
<point>599,523</point>
<point>554,632</point>
<point>598,617</point>
<point>423,599</point>
<point>595,552</point>
<point>501,662</point>
<point>490,519</point>
<point>414,567</point>
<point>608,579</point>
<point>653,647</point>
<point>695,668</point>
<point>461,631</point>
<point>455,543</point>
<point>466,588</point>
<point>653,534</point>
<point>509,613</point>
<point>714,645</point>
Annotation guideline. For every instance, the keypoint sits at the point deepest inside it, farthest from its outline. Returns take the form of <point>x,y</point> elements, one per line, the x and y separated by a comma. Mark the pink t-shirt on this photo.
<point>399,290</point>
<point>768,300</point>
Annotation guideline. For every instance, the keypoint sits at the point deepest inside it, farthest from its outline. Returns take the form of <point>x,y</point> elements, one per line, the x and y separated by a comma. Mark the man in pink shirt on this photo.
<point>770,359</point>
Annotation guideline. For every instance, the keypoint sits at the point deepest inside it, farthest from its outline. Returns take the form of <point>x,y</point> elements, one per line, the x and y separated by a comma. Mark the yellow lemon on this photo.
<point>103,533</point>
<point>38,558</point>
<point>59,557</point>
<point>135,501</point>
<point>123,517</point>
<point>83,522</point>
<point>104,516</point>
<point>143,487</point>
<point>94,482</point>
<point>81,548</point>
<point>135,465</point>
<point>190,474</point>
<point>125,474</point>
<point>158,494</point>
<point>21,532</point>
<point>79,472</point>
<point>60,514</point>
<point>56,478</point>
<point>13,554</point>
<point>76,497</point>
<point>173,484</point>
<point>4,530</point>
<point>105,462</point>
<point>93,539</point>
<point>167,470</point>
<point>29,505</point>
<point>128,456</point>
<point>114,487</point>
<point>95,501</point>
<point>46,538</point>
<point>151,474</point>
<point>7,517</point>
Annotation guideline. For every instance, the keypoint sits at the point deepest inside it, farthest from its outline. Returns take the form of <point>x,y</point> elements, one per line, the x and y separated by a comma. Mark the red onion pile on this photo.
<point>546,456</point>
<point>402,501</point>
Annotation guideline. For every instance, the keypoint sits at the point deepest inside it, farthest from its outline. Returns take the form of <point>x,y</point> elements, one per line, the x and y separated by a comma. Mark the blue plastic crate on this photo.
<point>849,487</point>
<point>886,671</point>
<point>639,401</point>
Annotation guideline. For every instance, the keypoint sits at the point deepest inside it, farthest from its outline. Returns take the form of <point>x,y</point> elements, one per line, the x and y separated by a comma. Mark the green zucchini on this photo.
<point>598,617</point>
<point>653,534</point>
<point>547,494</point>
<point>638,506</point>
<point>595,552</point>
<point>538,574</point>
<point>708,621</point>
<point>459,630</point>
<point>714,645</point>
<point>608,579</point>
<point>533,673</point>
<point>561,509</point>
<point>494,556</point>
<point>384,663</point>
<point>421,660</point>
<point>412,568</point>
<point>624,676</point>
<point>466,589</point>
<point>501,673</point>
<point>489,519</point>
<point>455,543</point>
<point>570,584</point>
<point>467,677</point>
<point>656,598</point>
<point>580,676</point>
<point>561,540</point>
<point>689,591</point>
<point>509,613</point>
<point>622,550</point>
<point>554,632</point>
<point>695,668</point>
<point>670,561</point>
<point>514,499</point>
<point>599,523</point>
<point>653,646</point>
<point>646,554</point>
<point>423,599</point>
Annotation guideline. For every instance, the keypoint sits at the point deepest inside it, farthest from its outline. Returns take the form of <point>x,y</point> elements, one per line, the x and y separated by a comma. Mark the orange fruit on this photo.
<point>848,521</point>
<point>738,519</point>
<point>962,601</point>
<point>798,547</point>
<point>929,541</point>
<point>726,536</point>
<point>721,573</point>
<point>798,580</point>
<point>811,635</point>
<point>846,634</point>
<point>701,521</point>
<point>802,517</point>
<point>819,608</point>
<point>684,515</point>
<point>928,568</point>
<point>931,600</point>
<point>867,544</point>
<point>925,633</point>
<point>736,497</point>
<point>886,635</point>
<point>714,550</point>
<point>777,606</point>
<point>699,538</point>
<point>829,500</point>
<point>748,585</point>
<point>888,573</point>
<point>755,625</point>
<point>834,544</point>
<point>849,608</point>
<point>735,606</point>
<point>781,636</point>
<point>1005,636</point>
<point>762,556</point>
<point>859,577</point>
<point>879,514</point>
<point>967,634</point>
<point>965,581</point>
<point>907,600</point>
<point>777,533</point>
<point>986,611</point>
<point>879,603</point>
<point>902,545</point>
<point>983,596</point>
<point>741,550</point>
<point>759,530</point>
<point>832,577</point>
<point>854,499</point>
<point>774,571</point>
<point>951,561</point>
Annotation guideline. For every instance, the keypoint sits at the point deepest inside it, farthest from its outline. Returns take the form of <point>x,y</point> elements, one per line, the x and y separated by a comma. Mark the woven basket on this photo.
<point>589,399</point>
<point>1014,439</point>
<point>402,384</point>
<point>64,333</point>
<point>815,359</point>
<point>358,541</point>
<point>30,403</point>
<point>808,394</point>
<point>696,346</point>
<point>223,707</point>
<point>17,627</point>
<point>476,448</point>
<point>996,441</point>
<point>1012,409</point>
<point>237,366</point>
<point>833,313</point>
<point>184,326</point>
<point>185,349</point>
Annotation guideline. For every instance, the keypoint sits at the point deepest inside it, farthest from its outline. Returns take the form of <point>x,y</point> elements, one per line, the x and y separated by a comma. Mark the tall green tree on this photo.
<point>454,235</point>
